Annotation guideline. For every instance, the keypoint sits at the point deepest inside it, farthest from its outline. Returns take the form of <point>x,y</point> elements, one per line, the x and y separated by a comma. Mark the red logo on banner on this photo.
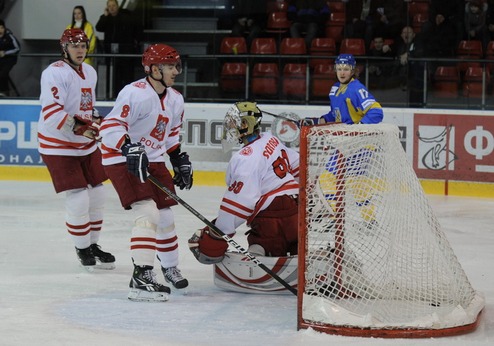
<point>454,147</point>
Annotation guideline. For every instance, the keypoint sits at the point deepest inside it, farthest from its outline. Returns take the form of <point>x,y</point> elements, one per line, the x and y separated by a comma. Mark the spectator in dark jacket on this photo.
<point>410,72</point>
<point>380,70</point>
<point>475,21</point>
<point>249,19</point>
<point>9,50</point>
<point>123,35</point>
<point>308,18</point>
<point>362,17</point>
<point>453,11</point>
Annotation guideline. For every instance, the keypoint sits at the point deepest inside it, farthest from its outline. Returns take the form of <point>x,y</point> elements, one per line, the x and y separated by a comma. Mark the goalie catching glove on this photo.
<point>137,160</point>
<point>207,247</point>
<point>87,125</point>
<point>182,167</point>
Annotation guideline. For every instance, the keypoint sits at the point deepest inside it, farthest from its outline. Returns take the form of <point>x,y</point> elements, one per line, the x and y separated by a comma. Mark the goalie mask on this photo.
<point>241,121</point>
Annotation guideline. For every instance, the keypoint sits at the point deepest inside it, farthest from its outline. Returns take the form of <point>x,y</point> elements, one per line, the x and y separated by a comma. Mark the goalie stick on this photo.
<point>220,233</point>
<point>287,116</point>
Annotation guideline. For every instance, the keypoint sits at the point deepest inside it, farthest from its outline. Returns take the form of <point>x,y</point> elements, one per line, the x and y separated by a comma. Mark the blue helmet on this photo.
<point>345,59</point>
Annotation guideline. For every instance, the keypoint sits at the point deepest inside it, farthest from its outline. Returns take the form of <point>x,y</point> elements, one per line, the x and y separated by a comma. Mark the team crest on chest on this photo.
<point>86,99</point>
<point>141,85</point>
<point>160,128</point>
<point>247,151</point>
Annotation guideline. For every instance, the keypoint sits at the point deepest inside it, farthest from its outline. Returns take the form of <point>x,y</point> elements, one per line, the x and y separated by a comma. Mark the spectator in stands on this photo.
<point>361,19</point>
<point>123,35</point>
<point>490,20</point>
<point>249,19</point>
<point>409,72</point>
<point>392,18</point>
<point>380,70</point>
<point>452,11</point>
<point>9,50</point>
<point>79,21</point>
<point>475,21</point>
<point>308,18</point>
<point>439,40</point>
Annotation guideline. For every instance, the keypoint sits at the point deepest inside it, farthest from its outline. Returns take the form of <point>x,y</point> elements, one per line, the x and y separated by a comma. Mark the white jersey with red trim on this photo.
<point>260,171</point>
<point>65,92</point>
<point>141,114</point>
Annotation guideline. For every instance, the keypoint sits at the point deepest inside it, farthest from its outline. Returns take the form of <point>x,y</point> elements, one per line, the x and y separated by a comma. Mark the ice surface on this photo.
<point>47,299</point>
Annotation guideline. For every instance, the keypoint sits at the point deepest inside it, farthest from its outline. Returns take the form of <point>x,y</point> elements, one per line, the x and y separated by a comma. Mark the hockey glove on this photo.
<point>308,122</point>
<point>87,126</point>
<point>206,247</point>
<point>137,160</point>
<point>182,167</point>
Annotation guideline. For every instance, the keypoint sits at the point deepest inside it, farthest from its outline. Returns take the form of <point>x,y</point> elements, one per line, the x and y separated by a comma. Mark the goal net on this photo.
<point>373,260</point>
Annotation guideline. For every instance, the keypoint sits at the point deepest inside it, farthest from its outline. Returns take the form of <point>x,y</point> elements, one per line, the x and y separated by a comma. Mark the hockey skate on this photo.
<point>86,258</point>
<point>174,276</point>
<point>104,260</point>
<point>144,287</point>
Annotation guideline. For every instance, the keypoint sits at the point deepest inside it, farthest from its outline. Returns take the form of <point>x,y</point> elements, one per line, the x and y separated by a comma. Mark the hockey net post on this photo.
<point>373,260</point>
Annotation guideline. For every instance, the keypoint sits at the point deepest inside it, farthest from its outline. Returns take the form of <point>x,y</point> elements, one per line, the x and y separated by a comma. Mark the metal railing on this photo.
<point>200,80</point>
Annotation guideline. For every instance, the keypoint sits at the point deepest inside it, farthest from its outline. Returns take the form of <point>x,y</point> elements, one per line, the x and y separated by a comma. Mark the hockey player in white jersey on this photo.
<point>67,132</point>
<point>142,127</point>
<point>262,180</point>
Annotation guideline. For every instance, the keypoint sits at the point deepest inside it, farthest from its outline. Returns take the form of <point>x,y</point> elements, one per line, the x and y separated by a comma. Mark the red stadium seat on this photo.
<point>323,46</point>
<point>233,73</point>
<point>276,6</point>
<point>489,55</point>
<point>469,49</point>
<point>265,79</point>
<point>472,82</point>
<point>295,80</point>
<point>335,26</point>
<point>293,46</point>
<point>336,6</point>
<point>232,78</point>
<point>446,82</point>
<point>263,45</point>
<point>233,45</point>
<point>322,79</point>
<point>355,46</point>
<point>278,23</point>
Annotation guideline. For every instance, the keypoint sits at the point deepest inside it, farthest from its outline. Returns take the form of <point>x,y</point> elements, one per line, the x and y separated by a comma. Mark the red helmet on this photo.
<point>73,36</point>
<point>160,54</point>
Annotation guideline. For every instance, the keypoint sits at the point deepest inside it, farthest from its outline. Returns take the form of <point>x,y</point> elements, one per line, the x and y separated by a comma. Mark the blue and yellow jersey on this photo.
<point>352,103</point>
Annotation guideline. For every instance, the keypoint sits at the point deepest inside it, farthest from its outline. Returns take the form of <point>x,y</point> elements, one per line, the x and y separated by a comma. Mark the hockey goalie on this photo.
<point>262,181</point>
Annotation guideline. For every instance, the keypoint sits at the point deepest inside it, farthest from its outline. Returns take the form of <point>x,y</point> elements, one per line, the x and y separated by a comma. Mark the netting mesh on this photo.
<point>375,255</point>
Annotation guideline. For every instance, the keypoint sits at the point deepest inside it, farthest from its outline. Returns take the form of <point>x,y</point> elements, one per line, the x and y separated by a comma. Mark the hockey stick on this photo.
<point>283,117</point>
<point>219,233</point>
